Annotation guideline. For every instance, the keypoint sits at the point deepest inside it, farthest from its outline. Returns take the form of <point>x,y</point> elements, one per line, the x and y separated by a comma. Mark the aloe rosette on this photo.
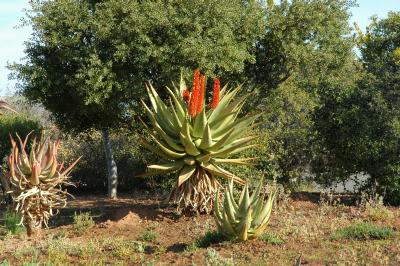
<point>195,140</point>
<point>36,180</point>
<point>246,219</point>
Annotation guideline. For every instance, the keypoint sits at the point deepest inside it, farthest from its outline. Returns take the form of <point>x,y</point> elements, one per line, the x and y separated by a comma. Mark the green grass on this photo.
<point>11,221</point>
<point>364,231</point>
<point>271,238</point>
<point>148,235</point>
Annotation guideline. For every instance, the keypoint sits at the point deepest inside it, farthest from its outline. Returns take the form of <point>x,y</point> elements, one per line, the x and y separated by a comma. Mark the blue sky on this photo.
<point>12,39</point>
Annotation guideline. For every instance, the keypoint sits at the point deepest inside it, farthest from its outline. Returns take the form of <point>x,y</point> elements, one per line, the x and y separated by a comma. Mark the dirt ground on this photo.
<point>135,230</point>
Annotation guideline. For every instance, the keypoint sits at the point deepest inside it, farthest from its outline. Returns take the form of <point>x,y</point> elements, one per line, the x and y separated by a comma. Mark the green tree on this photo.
<point>362,127</point>
<point>307,51</point>
<point>87,60</point>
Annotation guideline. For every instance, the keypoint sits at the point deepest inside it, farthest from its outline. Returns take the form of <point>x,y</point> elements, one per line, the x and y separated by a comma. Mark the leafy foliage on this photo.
<point>361,126</point>
<point>86,58</point>
<point>306,52</point>
<point>11,124</point>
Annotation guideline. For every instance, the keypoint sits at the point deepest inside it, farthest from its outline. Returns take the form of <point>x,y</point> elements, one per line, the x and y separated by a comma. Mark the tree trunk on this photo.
<point>111,166</point>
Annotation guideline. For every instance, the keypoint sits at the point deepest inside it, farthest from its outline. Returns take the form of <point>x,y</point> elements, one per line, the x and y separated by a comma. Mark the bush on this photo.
<point>364,231</point>
<point>90,173</point>
<point>12,124</point>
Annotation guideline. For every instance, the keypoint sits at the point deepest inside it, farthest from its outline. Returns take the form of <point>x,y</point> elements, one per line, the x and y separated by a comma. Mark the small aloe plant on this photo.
<point>246,219</point>
<point>36,179</point>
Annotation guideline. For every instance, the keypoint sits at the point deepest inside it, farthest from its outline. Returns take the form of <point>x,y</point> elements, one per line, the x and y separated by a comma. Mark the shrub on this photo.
<point>82,222</point>
<point>12,124</point>
<point>90,173</point>
<point>364,231</point>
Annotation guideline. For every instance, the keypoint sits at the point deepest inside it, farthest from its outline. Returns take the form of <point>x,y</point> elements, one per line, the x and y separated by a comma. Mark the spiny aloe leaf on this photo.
<point>186,173</point>
<point>206,140</point>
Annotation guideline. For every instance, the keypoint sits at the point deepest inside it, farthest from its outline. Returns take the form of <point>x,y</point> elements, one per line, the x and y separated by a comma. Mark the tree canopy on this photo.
<point>87,60</point>
<point>361,128</point>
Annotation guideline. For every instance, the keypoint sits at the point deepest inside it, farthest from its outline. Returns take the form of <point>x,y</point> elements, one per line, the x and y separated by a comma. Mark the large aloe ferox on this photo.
<point>37,181</point>
<point>195,140</point>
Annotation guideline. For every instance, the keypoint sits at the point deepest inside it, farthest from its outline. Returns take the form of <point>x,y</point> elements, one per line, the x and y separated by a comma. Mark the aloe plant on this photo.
<point>36,180</point>
<point>244,219</point>
<point>195,140</point>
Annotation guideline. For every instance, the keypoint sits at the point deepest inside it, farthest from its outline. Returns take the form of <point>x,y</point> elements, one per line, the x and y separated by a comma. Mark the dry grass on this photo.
<point>297,228</point>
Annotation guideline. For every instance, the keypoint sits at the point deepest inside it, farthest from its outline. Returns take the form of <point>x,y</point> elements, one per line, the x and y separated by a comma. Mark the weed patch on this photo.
<point>82,222</point>
<point>271,238</point>
<point>364,231</point>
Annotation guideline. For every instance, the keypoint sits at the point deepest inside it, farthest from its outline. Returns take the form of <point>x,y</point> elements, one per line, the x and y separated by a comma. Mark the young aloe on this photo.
<point>246,219</point>
<point>195,140</point>
<point>36,180</point>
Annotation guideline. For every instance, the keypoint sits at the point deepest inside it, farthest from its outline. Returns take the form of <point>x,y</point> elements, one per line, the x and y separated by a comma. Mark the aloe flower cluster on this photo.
<point>196,139</point>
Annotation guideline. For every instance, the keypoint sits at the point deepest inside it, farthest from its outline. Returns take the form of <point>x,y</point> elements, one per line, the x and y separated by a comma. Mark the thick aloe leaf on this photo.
<point>218,171</point>
<point>203,158</point>
<point>163,115</point>
<point>173,143</point>
<point>187,141</point>
<point>230,189</point>
<point>234,147</point>
<point>200,122</point>
<point>232,109</point>
<point>240,126</point>
<point>206,140</point>
<point>228,229</point>
<point>265,213</point>
<point>155,120</point>
<point>223,103</point>
<point>186,173</point>
<point>157,172</point>
<point>179,105</point>
<point>157,151</point>
<point>177,120</point>
<point>220,143</point>
<point>245,226</point>
<point>229,209</point>
<point>241,161</point>
<point>256,192</point>
<point>167,150</point>
<point>244,204</point>
<point>217,211</point>
<point>167,166</point>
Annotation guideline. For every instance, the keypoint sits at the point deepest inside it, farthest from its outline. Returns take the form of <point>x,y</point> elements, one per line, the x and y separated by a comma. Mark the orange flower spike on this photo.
<point>216,94</point>
<point>186,96</point>
<point>201,92</point>
<point>194,94</point>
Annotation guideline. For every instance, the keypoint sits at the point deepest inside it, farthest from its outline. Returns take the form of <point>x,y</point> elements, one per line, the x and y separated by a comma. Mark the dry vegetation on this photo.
<point>135,231</point>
